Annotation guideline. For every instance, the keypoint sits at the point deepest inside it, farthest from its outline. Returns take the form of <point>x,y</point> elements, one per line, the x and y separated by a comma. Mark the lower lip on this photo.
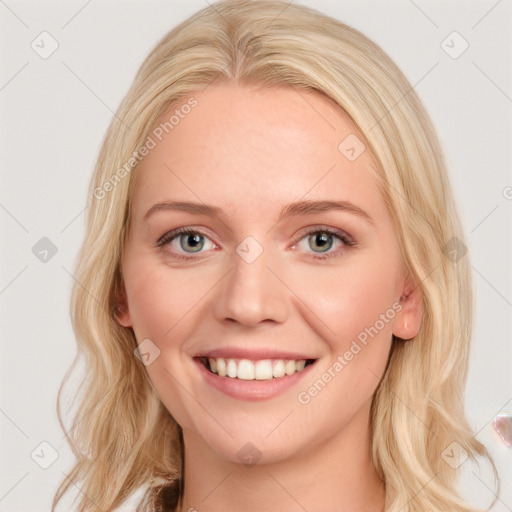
<point>251,390</point>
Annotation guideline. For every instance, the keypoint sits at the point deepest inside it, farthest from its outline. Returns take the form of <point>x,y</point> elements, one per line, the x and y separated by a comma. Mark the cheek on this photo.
<point>163,305</point>
<point>354,314</point>
<point>160,298</point>
<point>348,298</point>
<point>351,310</point>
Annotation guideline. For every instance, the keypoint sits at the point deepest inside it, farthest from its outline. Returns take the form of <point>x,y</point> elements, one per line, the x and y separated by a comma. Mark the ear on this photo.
<point>408,320</point>
<point>121,311</point>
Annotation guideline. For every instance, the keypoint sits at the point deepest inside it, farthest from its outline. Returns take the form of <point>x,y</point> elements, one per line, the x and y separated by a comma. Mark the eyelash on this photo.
<point>346,240</point>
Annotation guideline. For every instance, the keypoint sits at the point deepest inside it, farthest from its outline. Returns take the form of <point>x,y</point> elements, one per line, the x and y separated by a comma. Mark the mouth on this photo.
<point>247,369</point>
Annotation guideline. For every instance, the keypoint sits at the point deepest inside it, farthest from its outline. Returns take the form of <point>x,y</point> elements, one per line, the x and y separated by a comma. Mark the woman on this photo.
<point>274,298</point>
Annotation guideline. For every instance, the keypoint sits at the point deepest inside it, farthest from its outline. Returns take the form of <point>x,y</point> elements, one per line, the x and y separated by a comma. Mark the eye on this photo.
<point>185,240</point>
<point>322,240</point>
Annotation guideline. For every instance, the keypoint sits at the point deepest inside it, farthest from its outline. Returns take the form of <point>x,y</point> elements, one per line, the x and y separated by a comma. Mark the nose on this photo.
<point>251,293</point>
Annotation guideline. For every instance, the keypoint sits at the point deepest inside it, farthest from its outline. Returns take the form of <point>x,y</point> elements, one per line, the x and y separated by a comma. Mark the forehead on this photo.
<point>254,147</point>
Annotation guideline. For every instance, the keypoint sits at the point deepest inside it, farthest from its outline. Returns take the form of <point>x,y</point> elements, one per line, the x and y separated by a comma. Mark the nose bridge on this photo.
<point>251,292</point>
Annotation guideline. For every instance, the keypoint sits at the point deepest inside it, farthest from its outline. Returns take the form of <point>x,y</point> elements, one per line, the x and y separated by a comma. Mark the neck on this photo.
<point>336,473</point>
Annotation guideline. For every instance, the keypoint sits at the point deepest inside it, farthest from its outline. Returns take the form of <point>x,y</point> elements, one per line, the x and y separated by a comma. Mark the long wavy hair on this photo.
<point>122,436</point>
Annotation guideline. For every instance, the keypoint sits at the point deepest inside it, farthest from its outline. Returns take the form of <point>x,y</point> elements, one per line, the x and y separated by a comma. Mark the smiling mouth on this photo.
<point>246,369</point>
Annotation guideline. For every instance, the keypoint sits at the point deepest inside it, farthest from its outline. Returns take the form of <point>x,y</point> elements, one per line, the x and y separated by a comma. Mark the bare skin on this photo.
<point>250,151</point>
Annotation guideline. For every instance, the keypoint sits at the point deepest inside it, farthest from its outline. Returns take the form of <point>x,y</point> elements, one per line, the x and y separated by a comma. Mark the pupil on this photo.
<point>320,239</point>
<point>195,241</point>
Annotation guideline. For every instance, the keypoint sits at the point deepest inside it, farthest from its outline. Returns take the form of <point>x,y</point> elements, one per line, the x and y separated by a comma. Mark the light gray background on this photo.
<point>54,113</point>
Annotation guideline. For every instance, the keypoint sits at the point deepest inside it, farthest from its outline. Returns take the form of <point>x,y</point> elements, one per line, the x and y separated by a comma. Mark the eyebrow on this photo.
<point>290,210</point>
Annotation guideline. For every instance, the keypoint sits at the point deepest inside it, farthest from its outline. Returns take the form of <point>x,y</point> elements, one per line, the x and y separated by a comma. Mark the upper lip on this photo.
<point>254,354</point>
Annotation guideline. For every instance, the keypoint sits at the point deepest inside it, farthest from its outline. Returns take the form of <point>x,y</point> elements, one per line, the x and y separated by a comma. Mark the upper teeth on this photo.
<point>245,369</point>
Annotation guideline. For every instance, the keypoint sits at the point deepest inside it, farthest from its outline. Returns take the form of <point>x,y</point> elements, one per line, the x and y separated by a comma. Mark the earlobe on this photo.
<point>408,321</point>
<point>121,311</point>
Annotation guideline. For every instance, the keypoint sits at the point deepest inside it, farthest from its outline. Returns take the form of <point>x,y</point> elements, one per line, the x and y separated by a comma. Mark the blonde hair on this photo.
<point>122,435</point>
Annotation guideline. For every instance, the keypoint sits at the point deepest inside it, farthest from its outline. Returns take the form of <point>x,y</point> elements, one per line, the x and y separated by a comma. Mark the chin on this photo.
<point>255,452</point>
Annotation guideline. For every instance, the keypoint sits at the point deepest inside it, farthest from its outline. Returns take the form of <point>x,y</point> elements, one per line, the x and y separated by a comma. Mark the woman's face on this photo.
<point>271,272</point>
